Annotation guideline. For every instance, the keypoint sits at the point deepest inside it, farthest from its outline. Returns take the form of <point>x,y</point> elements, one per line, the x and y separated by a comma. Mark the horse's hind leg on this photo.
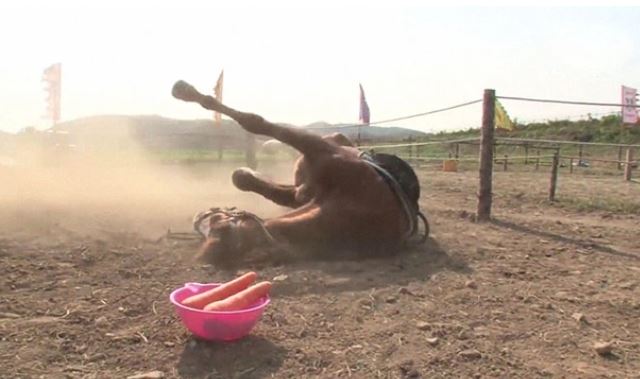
<point>301,226</point>
<point>282,194</point>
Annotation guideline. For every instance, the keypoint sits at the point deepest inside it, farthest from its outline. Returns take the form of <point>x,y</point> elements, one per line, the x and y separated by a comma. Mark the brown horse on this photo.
<point>342,200</point>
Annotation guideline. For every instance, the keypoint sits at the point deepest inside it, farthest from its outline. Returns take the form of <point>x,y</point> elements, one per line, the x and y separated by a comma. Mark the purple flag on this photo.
<point>364,108</point>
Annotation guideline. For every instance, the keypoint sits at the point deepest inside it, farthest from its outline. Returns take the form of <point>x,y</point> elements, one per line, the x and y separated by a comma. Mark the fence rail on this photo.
<point>560,142</point>
<point>519,141</point>
<point>411,144</point>
<point>599,160</point>
<point>487,157</point>
<point>476,159</point>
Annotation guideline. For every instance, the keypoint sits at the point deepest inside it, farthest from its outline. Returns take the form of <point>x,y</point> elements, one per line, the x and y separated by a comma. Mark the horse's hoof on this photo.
<point>244,179</point>
<point>184,91</point>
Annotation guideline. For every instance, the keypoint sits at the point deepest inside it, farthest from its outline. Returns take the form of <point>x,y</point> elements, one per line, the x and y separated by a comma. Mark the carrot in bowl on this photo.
<point>241,300</point>
<point>221,292</point>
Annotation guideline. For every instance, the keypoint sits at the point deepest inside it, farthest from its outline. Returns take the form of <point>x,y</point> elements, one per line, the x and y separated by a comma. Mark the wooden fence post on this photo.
<point>220,143</point>
<point>486,155</point>
<point>579,154</point>
<point>537,159</point>
<point>250,151</point>
<point>457,151</point>
<point>505,163</point>
<point>619,157</point>
<point>526,154</point>
<point>571,166</point>
<point>627,169</point>
<point>554,176</point>
<point>411,147</point>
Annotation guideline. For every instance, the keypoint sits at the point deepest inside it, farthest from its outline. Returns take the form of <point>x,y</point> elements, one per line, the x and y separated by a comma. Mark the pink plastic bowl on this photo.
<point>216,326</point>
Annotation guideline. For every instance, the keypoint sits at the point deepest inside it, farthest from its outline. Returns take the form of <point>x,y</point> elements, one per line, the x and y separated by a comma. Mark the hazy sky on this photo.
<point>299,64</point>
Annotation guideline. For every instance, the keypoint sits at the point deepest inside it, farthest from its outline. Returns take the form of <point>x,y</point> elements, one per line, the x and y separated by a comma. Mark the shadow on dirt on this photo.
<point>250,357</point>
<point>560,238</point>
<point>333,276</point>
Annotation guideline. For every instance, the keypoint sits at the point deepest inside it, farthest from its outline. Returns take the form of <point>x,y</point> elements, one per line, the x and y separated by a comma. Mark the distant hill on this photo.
<point>160,132</point>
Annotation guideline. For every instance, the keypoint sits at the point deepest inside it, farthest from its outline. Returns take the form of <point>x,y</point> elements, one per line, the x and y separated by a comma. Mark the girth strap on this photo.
<point>412,212</point>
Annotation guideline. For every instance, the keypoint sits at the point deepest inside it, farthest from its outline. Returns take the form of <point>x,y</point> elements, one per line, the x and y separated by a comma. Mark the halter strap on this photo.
<point>236,216</point>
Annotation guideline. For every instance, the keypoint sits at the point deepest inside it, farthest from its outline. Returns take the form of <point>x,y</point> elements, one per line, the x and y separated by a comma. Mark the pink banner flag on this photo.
<point>629,105</point>
<point>217,90</point>
<point>52,76</point>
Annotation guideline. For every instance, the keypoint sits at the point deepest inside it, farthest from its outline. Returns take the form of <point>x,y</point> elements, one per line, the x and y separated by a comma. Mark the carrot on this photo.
<point>223,291</point>
<point>241,300</point>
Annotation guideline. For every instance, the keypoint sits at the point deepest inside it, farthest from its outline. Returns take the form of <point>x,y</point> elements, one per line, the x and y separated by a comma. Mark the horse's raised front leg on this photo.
<point>246,179</point>
<point>309,144</point>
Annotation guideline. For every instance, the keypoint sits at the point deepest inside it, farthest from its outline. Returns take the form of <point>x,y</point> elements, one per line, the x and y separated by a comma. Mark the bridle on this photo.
<point>235,216</point>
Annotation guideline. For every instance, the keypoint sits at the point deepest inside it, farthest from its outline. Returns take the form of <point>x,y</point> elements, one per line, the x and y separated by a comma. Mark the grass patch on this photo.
<point>600,204</point>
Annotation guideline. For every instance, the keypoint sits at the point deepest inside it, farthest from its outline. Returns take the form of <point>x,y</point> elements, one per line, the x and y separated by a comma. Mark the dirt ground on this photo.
<point>84,291</point>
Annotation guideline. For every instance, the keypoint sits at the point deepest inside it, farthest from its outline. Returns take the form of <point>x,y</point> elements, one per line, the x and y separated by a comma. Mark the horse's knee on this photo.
<point>339,139</point>
<point>253,123</point>
<point>303,194</point>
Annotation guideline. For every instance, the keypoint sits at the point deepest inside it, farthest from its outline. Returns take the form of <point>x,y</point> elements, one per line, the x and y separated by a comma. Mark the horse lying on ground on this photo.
<point>342,199</point>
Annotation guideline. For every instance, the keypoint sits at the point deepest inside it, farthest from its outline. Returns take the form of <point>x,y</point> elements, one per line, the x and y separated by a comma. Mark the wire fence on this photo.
<point>512,144</point>
<point>525,142</point>
<point>567,102</point>
<point>471,153</point>
<point>422,114</point>
<point>487,154</point>
<point>584,116</point>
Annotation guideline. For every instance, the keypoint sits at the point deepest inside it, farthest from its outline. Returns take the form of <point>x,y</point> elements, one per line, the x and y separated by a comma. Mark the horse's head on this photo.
<point>228,235</point>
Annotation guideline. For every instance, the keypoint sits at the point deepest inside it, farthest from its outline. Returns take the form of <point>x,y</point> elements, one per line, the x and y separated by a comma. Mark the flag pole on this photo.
<point>620,139</point>
<point>217,117</point>
<point>59,93</point>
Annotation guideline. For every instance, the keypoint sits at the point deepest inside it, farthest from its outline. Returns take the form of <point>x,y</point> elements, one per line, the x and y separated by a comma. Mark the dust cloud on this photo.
<point>93,191</point>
